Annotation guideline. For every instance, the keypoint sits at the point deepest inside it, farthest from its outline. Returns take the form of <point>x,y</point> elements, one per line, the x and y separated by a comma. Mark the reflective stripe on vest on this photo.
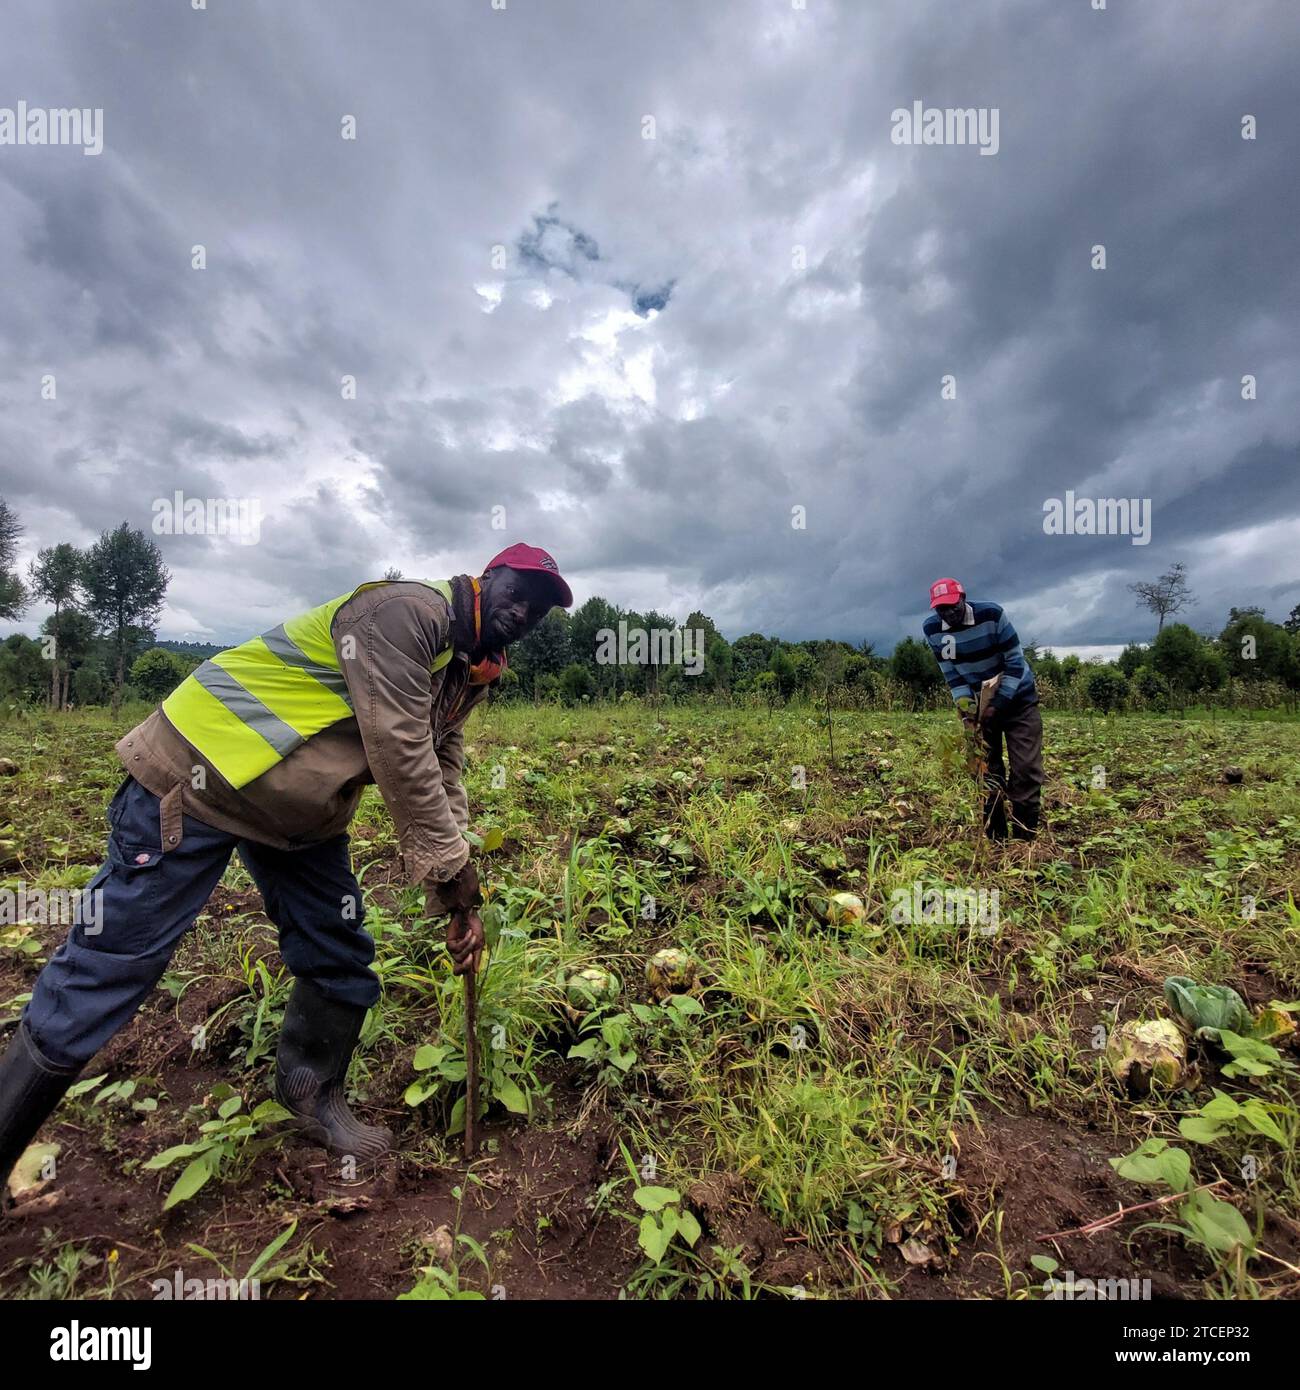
<point>249,707</point>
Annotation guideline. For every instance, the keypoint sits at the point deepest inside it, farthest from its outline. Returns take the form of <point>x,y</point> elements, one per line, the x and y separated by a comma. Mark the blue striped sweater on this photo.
<point>968,656</point>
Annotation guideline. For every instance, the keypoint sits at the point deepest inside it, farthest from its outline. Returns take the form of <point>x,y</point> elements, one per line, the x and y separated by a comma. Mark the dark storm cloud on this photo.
<point>552,244</point>
<point>211,438</point>
<point>650,351</point>
<point>647,301</point>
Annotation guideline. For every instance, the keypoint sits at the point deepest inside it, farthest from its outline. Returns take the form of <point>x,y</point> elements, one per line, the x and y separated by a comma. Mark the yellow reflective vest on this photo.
<point>247,708</point>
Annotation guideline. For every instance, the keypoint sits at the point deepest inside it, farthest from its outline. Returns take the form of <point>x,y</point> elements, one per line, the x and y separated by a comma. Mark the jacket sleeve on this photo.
<point>386,640</point>
<point>451,758</point>
<point>1013,664</point>
<point>957,683</point>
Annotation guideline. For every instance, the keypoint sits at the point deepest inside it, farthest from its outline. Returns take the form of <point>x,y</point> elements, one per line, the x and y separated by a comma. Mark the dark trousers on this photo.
<point>122,941</point>
<point>1022,729</point>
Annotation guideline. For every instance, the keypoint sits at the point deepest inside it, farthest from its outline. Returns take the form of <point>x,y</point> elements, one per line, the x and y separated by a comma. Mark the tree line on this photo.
<point>106,601</point>
<point>1251,661</point>
<point>98,646</point>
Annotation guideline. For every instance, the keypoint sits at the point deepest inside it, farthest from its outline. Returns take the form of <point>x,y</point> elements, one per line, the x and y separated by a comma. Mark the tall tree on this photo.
<point>1167,595</point>
<point>125,581</point>
<point>717,662</point>
<point>701,622</point>
<point>781,668</point>
<point>13,594</point>
<point>585,624</point>
<point>750,655</point>
<point>715,649</point>
<point>655,622</point>
<point>74,635</point>
<point>56,578</point>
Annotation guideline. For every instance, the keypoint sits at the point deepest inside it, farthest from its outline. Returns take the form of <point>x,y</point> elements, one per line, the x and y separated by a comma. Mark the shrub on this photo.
<point>1151,690</point>
<point>576,684</point>
<point>157,672</point>
<point>1107,689</point>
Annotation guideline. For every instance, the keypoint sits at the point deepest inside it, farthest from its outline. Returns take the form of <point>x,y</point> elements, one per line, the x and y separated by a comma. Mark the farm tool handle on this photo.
<point>980,735</point>
<point>471,1057</point>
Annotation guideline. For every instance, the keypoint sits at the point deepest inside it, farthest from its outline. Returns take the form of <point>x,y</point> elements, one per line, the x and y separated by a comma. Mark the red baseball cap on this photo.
<point>528,557</point>
<point>946,591</point>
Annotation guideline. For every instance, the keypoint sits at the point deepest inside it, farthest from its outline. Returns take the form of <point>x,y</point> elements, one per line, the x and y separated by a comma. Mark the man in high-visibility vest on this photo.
<point>266,749</point>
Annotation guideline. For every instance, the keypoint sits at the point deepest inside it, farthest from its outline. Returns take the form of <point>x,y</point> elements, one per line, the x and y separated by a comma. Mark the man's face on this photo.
<point>514,602</point>
<point>951,613</point>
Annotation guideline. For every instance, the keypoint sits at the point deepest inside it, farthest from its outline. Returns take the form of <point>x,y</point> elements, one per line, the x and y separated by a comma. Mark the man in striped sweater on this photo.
<point>979,654</point>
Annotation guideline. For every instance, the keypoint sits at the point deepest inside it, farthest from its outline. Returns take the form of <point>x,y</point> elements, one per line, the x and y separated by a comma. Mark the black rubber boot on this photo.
<point>995,814</point>
<point>30,1088</point>
<point>311,1066</point>
<point>1024,822</point>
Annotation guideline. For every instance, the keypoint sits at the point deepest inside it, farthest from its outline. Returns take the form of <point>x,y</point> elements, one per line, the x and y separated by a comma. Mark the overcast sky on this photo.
<point>648,351</point>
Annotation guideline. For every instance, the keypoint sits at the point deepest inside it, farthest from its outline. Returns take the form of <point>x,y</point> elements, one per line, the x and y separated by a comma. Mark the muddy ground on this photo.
<point>532,1200</point>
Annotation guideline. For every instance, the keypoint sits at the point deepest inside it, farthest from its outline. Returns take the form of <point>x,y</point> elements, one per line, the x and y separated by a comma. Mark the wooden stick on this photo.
<point>1104,1223</point>
<point>471,1059</point>
<point>830,723</point>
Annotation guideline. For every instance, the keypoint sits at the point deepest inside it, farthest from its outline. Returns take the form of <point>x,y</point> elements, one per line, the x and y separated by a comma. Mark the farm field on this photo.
<point>897,1104</point>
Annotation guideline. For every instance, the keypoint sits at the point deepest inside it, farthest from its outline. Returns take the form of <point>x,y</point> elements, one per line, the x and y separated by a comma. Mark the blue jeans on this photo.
<point>115,956</point>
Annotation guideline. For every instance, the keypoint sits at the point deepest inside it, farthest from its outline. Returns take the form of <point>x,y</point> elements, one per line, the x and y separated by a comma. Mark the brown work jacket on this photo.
<point>406,737</point>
